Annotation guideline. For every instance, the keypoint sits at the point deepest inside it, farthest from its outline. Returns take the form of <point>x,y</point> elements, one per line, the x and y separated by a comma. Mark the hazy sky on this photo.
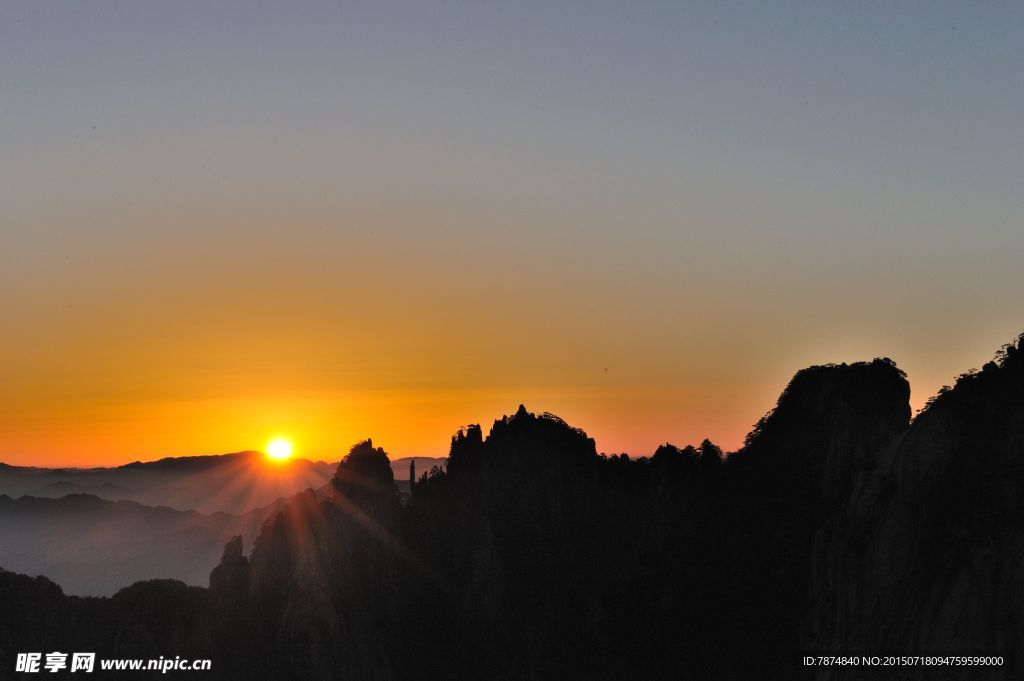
<point>226,221</point>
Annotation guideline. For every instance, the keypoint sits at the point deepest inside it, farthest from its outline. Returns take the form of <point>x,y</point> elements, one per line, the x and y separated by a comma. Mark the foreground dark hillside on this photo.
<point>839,527</point>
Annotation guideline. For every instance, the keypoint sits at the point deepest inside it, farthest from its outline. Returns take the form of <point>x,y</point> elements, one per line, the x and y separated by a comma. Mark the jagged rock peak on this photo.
<point>521,444</point>
<point>1005,371</point>
<point>232,549</point>
<point>816,392</point>
<point>828,427</point>
<point>366,461</point>
<point>364,472</point>
<point>230,575</point>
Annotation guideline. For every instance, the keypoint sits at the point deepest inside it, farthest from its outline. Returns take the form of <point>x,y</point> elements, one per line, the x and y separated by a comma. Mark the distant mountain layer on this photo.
<point>229,483</point>
<point>423,465</point>
<point>105,490</point>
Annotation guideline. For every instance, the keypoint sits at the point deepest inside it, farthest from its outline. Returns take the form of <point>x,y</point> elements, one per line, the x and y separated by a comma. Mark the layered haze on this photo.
<point>93,530</point>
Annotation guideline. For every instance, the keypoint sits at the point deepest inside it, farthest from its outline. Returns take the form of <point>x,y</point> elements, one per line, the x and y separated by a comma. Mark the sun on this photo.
<point>279,449</point>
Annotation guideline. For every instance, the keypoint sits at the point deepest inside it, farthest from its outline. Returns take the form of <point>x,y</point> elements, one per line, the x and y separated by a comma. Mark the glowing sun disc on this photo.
<point>279,449</point>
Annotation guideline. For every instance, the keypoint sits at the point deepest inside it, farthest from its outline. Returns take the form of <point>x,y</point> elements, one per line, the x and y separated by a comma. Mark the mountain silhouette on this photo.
<point>231,483</point>
<point>925,551</point>
<point>841,525</point>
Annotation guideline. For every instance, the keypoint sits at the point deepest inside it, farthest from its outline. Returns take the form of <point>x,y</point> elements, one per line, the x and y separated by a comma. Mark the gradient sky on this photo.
<point>225,221</point>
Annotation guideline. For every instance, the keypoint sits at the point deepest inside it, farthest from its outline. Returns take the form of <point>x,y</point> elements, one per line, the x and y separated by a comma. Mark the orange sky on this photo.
<point>217,324</point>
<point>236,222</point>
<point>190,346</point>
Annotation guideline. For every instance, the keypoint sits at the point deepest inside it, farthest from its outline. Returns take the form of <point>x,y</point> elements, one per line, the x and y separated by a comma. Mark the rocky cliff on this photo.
<point>925,552</point>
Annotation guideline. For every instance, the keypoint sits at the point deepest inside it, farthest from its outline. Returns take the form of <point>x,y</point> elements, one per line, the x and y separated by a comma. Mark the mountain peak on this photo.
<point>365,470</point>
